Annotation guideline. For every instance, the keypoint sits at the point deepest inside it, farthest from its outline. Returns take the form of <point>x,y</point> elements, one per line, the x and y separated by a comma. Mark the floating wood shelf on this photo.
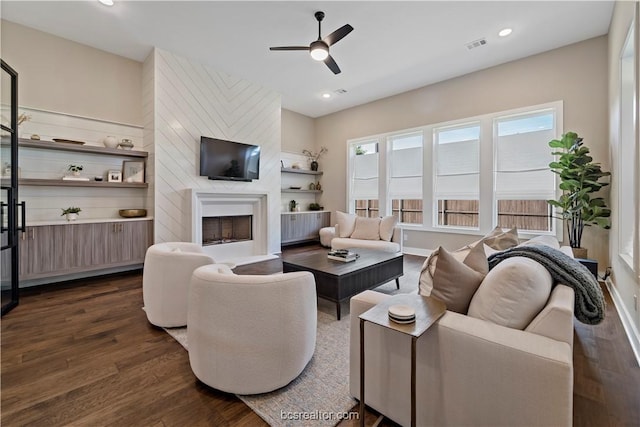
<point>293,190</point>
<point>302,171</point>
<point>61,183</point>
<point>61,146</point>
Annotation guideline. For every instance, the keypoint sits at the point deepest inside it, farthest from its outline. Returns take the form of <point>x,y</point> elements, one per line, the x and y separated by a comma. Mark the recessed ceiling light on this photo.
<point>326,95</point>
<point>106,2</point>
<point>505,32</point>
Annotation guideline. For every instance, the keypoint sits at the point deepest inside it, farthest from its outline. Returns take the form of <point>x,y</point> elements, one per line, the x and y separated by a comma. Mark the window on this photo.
<point>364,188</point>
<point>405,177</point>
<point>463,176</point>
<point>627,177</point>
<point>457,175</point>
<point>523,181</point>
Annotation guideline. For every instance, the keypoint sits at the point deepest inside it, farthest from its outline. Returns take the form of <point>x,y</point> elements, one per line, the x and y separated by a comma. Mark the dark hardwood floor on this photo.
<point>83,353</point>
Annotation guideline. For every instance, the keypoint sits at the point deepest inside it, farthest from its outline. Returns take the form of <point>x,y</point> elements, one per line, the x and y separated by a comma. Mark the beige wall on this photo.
<point>576,74</point>
<point>298,132</point>
<point>59,75</point>
<point>625,282</point>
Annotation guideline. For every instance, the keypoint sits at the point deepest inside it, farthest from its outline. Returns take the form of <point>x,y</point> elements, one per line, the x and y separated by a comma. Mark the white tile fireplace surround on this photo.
<point>208,204</point>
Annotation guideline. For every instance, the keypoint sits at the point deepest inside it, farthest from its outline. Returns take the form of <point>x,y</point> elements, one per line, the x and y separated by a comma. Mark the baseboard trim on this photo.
<point>627,323</point>
<point>416,251</point>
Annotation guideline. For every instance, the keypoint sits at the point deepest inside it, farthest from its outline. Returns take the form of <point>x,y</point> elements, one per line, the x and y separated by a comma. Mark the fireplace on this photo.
<point>219,230</point>
<point>231,227</point>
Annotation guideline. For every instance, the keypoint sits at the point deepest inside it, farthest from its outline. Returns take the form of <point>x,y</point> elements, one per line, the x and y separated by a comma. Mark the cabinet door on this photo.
<point>140,232</point>
<point>120,242</point>
<point>37,251</point>
<point>287,224</point>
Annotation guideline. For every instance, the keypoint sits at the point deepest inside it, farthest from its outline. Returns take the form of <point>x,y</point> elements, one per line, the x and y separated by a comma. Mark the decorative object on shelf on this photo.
<point>312,186</point>
<point>295,187</point>
<point>281,164</point>
<point>126,144</point>
<point>133,171</point>
<point>35,137</point>
<point>22,117</point>
<point>360,151</point>
<point>114,176</point>
<point>75,169</point>
<point>293,206</point>
<point>318,186</point>
<point>579,179</point>
<point>132,213</point>
<point>68,141</point>
<point>314,207</point>
<point>314,157</point>
<point>110,142</point>
<point>6,170</point>
<point>98,178</point>
<point>71,213</point>
<point>295,165</point>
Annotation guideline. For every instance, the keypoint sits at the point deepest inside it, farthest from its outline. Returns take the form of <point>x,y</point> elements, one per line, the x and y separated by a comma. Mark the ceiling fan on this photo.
<point>319,49</point>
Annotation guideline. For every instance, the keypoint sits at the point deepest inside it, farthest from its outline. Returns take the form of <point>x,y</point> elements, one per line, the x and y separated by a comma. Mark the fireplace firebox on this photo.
<point>217,230</point>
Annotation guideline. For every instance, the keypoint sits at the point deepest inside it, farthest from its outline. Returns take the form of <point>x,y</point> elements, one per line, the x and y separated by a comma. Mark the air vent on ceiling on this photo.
<point>340,91</point>
<point>476,43</point>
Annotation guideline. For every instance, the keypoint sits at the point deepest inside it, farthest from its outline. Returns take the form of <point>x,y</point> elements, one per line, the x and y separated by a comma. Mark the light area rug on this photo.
<point>323,387</point>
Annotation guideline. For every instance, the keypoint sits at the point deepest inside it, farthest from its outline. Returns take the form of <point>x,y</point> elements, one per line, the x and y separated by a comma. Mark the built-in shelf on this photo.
<point>293,190</point>
<point>90,149</point>
<point>301,171</point>
<point>61,183</point>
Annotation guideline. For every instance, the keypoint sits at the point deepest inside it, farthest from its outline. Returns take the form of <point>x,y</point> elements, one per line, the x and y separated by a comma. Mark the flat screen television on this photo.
<point>228,160</point>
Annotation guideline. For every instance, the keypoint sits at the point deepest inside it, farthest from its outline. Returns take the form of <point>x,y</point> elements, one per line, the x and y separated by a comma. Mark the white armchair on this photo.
<point>250,334</point>
<point>165,281</point>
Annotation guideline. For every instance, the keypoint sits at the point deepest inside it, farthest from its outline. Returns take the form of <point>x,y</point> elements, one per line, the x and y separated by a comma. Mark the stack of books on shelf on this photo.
<point>343,255</point>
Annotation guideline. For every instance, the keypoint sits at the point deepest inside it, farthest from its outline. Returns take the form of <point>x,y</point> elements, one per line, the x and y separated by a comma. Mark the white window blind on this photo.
<point>523,156</point>
<point>405,180</point>
<point>457,163</point>
<point>365,175</point>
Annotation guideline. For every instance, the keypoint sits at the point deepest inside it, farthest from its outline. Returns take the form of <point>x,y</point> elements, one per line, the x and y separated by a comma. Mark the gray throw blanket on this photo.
<point>589,301</point>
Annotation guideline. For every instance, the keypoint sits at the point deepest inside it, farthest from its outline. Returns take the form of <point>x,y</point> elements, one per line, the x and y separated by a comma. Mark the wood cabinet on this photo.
<point>55,250</point>
<point>302,226</point>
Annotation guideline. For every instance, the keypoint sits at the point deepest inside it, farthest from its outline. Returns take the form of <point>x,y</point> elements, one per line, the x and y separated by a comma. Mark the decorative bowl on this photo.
<point>132,213</point>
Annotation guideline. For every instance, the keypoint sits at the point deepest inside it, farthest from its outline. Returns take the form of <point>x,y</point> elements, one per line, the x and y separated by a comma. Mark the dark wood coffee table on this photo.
<point>338,281</point>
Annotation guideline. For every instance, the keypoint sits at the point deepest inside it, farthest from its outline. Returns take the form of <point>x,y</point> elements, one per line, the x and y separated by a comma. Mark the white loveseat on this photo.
<point>471,371</point>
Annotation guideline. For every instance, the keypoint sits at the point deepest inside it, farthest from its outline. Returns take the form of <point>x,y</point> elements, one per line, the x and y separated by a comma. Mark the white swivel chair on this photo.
<point>165,281</point>
<point>250,334</point>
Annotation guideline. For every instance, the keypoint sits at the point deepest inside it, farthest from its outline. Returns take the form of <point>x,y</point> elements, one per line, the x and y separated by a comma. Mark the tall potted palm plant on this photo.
<point>580,178</point>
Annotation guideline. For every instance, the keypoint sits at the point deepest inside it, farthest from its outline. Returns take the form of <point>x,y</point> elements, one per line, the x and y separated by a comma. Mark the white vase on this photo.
<point>75,173</point>
<point>110,142</point>
<point>71,216</point>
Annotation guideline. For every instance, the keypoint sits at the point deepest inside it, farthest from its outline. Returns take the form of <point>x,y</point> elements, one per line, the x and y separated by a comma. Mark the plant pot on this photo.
<point>75,173</point>
<point>314,165</point>
<point>579,253</point>
<point>71,216</point>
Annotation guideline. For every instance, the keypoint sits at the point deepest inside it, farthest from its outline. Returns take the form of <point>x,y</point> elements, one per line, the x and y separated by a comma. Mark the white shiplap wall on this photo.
<point>185,100</point>
<point>45,203</point>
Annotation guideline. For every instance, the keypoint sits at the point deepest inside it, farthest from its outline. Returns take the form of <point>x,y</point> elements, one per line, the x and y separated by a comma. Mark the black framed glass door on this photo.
<point>9,191</point>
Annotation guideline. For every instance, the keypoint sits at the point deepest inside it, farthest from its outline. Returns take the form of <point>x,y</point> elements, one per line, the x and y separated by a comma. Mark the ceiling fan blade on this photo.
<point>290,48</point>
<point>331,63</point>
<point>338,34</point>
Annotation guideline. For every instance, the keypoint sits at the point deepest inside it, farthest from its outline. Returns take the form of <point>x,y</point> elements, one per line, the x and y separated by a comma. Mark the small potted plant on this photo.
<point>75,169</point>
<point>71,213</point>
<point>314,157</point>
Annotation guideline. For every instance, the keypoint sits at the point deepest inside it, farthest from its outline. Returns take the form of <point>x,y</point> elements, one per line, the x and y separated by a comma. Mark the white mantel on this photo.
<point>210,204</point>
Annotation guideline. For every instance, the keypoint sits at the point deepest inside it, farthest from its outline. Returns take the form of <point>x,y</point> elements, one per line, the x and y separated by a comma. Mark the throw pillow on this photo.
<point>543,240</point>
<point>346,223</point>
<point>513,293</point>
<point>387,225</point>
<point>430,264</point>
<point>455,282</point>
<point>501,240</point>
<point>367,229</point>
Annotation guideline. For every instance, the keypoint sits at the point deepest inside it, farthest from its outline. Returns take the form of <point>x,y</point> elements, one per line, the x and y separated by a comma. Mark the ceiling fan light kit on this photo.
<point>319,49</point>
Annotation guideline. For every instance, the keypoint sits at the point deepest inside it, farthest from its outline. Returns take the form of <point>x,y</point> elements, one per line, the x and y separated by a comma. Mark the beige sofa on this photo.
<point>471,371</point>
<point>352,231</point>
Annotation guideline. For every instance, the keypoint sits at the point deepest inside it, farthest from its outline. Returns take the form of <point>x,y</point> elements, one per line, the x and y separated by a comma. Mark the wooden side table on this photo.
<point>428,310</point>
